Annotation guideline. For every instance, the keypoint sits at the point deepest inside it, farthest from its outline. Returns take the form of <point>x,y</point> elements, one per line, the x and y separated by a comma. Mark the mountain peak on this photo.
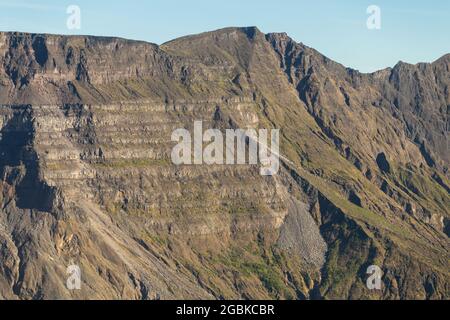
<point>85,147</point>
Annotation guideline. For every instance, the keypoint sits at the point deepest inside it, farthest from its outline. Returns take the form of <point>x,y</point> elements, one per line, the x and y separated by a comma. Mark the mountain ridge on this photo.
<point>87,177</point>
<point>253,28</point>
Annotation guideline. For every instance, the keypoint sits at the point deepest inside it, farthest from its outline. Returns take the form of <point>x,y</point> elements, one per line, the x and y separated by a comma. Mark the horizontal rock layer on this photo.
<point>87,178</point>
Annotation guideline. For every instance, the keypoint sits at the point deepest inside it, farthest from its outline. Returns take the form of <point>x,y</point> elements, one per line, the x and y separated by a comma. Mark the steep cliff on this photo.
<point>87,178</point>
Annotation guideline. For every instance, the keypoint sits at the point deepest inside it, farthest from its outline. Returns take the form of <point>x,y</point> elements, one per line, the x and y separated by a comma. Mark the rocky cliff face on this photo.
<point>87,179</point>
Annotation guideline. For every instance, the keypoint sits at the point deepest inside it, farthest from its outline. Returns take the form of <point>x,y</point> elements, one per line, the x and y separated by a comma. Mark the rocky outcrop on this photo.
<point>86,176</point>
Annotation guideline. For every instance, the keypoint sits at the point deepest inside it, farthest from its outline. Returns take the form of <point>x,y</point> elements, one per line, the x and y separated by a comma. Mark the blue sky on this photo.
<point>412,31</point>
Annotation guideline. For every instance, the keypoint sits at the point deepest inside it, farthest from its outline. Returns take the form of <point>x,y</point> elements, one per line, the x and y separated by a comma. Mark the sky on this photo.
<point>411,31</point>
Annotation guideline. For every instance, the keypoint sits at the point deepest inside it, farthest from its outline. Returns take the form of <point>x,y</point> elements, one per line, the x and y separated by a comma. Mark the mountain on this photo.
<point>87,177</point>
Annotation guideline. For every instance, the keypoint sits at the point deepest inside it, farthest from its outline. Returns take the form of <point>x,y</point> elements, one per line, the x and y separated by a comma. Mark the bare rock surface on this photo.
<point>301,235</point>
<point>86,177</point>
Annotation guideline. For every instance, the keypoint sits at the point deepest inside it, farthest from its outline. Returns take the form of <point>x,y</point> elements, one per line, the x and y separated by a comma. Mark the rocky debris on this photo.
<point>301,236</point>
